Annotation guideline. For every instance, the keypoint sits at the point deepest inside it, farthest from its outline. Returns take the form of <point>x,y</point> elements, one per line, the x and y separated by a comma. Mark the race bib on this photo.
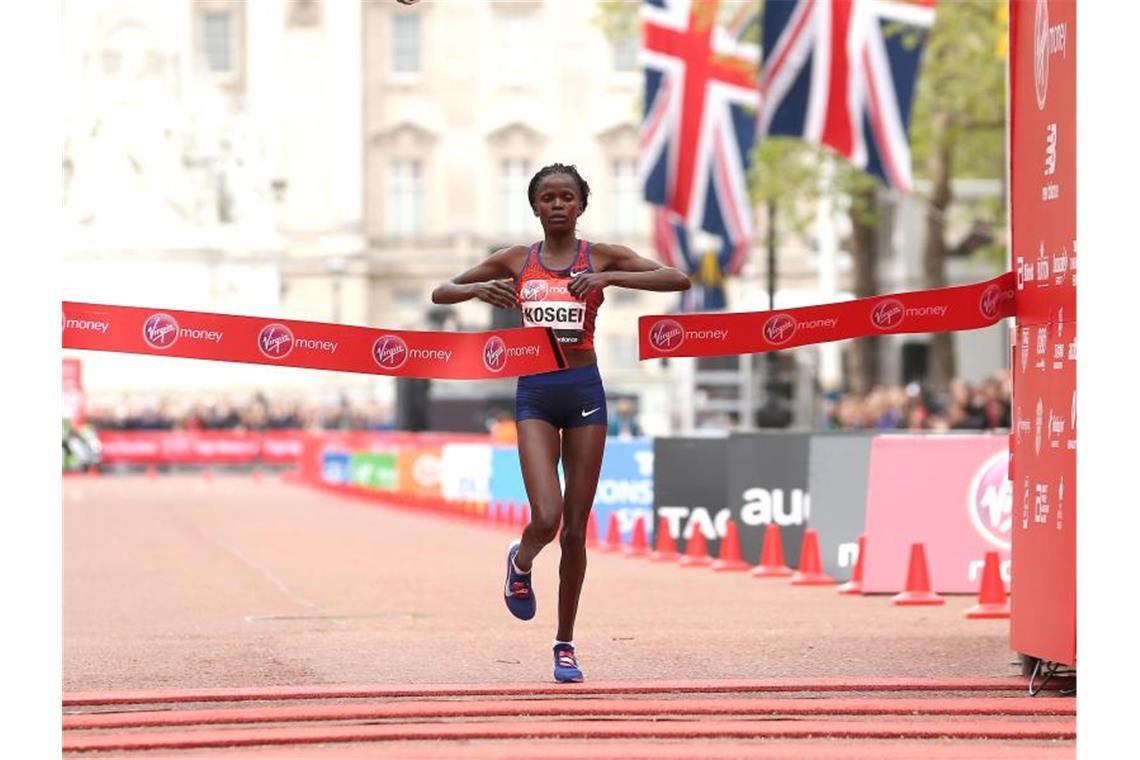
<point>547,303</point>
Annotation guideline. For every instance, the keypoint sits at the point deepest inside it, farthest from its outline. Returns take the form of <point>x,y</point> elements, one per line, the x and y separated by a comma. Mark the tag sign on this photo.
<point>311,345</point>
<point>967,307</point>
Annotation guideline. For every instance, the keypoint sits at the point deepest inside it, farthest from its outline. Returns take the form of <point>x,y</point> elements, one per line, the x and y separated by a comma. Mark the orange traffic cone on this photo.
<point>696,551</point>
<point>666,550</point>
<point>730,559</point>
<point>855,585</point>
<point>992,599</point>
<point>613,535</point>
<point>810,572</point>
<point>638,545</point>
<point>92,471</point>
<point>591,532</point>
<point>917,581</point>
<point>772,555</point>
<point>152,472</point>
<point>256,475</point>
<point>208,473</point>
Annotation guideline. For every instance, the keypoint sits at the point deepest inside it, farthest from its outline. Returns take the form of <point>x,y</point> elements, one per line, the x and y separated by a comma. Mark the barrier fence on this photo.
<point>948,491</point>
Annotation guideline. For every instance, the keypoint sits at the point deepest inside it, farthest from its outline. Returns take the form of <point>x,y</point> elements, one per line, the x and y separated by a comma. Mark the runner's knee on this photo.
<point>573,536</point>
<point>544,528</point>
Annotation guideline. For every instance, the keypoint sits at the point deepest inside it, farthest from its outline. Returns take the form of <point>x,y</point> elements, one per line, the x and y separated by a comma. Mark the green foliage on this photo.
<point>963,80</point>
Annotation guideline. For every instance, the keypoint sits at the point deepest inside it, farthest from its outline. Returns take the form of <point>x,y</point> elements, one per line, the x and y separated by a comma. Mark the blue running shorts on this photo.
<point>566,398</point>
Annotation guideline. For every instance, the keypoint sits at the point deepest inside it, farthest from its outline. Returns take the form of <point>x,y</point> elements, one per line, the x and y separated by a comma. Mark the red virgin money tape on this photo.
<point>966,307</point>
<point>312,345</point>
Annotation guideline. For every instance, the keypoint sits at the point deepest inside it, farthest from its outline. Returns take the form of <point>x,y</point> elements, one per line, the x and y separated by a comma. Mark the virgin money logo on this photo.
<point>275,341</point>
<point>160,331</point>
<point>990,302</point>
<point>990,500</point>
<point>780,328</point>
<point>494,354</point>
<point>1041,52</point>
<point>887,314</point>
<point>534,290</point>
<point>390,352</point>
<point>666,335</point>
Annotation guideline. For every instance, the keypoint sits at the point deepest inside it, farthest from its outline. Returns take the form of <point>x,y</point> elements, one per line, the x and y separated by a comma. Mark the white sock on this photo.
<point>516,567</point>
<point>567,643</point>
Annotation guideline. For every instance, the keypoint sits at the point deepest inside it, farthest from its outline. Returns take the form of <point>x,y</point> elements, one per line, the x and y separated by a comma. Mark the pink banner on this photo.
<point>74,400</point>
<point>313,345</point>
<point>965,307</point>
<point>950,492</point>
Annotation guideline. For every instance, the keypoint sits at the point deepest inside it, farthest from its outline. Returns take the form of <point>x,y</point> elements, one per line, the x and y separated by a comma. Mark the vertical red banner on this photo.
<point>73,399</point>
<point>1043,162</point>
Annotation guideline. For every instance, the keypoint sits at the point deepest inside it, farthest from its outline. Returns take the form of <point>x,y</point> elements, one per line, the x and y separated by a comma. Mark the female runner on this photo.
<point>558,283</point>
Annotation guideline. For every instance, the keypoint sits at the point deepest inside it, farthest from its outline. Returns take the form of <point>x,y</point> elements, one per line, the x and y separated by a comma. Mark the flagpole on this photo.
<point>772,414</point>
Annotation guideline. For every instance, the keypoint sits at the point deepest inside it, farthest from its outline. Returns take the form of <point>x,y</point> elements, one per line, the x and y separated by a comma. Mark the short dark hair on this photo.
<point>549,169</point>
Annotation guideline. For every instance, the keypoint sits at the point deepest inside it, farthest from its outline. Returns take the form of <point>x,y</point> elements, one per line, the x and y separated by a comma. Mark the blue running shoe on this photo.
<point>566,668</point>
<point>517,591</point>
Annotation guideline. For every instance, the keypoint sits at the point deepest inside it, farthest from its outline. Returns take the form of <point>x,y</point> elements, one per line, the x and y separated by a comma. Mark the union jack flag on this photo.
<point>840,73</point>
<point>699,125</point>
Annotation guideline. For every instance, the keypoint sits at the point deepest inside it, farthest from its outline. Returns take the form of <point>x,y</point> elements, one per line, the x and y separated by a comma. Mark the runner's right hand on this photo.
<point>499,293</point>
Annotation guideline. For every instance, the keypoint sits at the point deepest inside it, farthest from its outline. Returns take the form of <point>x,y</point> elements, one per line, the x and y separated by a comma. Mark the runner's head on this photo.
<point>558,195</point>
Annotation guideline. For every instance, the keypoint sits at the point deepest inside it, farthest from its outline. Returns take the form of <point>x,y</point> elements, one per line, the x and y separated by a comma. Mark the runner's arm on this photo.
<point>491,281</point>
<point>626,269</point>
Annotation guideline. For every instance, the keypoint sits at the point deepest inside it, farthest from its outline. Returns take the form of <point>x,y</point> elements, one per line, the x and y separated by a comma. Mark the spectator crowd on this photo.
<point>966,406</point>
<point>257,412</point>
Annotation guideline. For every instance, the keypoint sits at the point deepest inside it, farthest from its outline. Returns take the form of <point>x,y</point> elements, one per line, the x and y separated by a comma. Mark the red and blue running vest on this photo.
<point>546,302</point>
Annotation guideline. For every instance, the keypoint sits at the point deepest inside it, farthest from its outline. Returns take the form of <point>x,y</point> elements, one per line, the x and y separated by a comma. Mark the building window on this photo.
<point>406,43</point>
<point>625,49</point>
<point>219,40</point>
<point>629,212</point>
<point>405,197</point>
<point>514,47</point>
<point>513,179</point>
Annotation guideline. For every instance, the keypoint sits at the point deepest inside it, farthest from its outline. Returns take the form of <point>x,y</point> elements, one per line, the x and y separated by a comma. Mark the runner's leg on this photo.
<point>582,449</point>
<point>539,447</point>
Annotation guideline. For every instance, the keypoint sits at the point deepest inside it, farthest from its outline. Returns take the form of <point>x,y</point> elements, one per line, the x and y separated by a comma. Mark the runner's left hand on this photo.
<point>581,285</point>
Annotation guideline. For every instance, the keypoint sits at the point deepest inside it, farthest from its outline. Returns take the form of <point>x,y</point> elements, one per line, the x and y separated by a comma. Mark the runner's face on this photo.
<point>557,203</point>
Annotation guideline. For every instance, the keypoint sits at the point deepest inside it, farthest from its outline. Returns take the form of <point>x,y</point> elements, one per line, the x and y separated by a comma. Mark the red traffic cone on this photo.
<point>208,473</point>
<point>92,471</point>
<point>730,559</point>
<point>772,555</point>
<point>613,535</point>
<point>591,532</point>
<point>696,550</point>
<point>256,475</point>
<point>855,585</point>
<point>666,550</point>
<point>638,544</point>
<point>992,599</point>
<point>152,472</point>
<point>810,572</point>
<point>917,581</point>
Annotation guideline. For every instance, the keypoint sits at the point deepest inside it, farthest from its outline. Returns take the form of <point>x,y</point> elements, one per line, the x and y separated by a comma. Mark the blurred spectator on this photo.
<point>623,421</point>
<point>984,406</point>
<point>258,412</point>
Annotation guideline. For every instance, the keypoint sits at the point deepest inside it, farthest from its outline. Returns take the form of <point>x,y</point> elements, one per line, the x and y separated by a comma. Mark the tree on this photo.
<point>957,130</point>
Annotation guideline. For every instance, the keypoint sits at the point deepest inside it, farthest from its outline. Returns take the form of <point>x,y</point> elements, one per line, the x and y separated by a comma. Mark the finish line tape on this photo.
<point>311,345</point>
<point>966,307</point>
